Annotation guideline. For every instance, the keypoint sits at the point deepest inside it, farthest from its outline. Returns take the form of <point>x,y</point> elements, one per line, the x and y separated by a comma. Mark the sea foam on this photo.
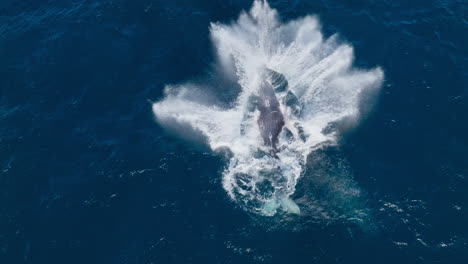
<point>319,72</point>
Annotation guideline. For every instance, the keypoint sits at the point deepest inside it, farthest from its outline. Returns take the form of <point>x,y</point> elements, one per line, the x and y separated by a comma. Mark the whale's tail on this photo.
<point>286,204</point>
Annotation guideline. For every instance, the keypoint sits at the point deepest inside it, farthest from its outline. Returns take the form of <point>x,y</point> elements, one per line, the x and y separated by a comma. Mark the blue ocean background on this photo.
<point>88,176</point>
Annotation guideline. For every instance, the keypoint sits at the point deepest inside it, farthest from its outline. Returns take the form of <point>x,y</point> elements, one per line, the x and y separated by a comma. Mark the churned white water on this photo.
<point>320,74</point>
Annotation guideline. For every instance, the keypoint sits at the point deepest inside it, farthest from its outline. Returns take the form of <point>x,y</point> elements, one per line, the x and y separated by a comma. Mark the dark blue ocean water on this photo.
<point>88,176</point>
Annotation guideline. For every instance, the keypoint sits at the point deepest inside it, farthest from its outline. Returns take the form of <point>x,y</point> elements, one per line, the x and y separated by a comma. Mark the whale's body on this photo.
<point>270,120</point>
<point>271,123</point>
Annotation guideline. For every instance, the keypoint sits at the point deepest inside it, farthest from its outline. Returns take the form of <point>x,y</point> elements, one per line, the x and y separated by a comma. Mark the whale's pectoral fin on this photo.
<point>252,104</point>
<point>280,85</point>
<point>300,132</point>
<point>277,80</point>
<point>291,101</point>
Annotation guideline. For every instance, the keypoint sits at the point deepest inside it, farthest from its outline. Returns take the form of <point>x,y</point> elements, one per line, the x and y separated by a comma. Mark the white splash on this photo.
<point>320,74</point>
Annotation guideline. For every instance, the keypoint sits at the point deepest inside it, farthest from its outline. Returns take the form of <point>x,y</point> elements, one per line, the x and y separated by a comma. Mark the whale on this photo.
<point>271,123</point>
<point>270,120</point>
